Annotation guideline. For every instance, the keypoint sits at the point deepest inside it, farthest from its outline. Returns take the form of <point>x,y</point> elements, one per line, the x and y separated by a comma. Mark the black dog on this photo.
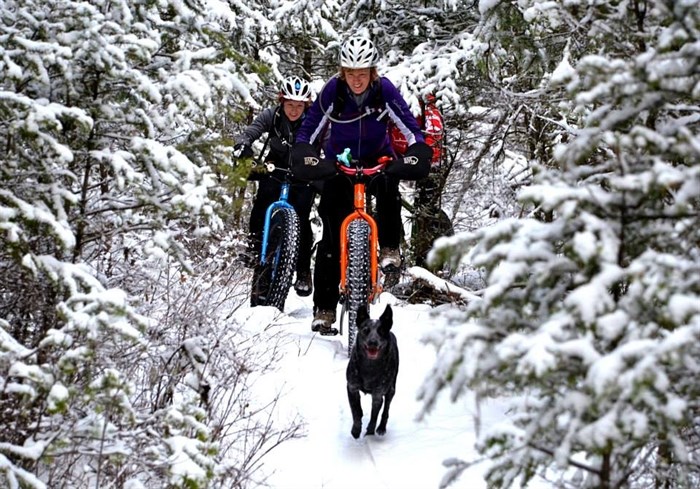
<point>372,369</point>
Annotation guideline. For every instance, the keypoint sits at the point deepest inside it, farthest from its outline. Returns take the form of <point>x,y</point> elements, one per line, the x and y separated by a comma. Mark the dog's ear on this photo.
<point>362,314</point>
<point>387,318</point>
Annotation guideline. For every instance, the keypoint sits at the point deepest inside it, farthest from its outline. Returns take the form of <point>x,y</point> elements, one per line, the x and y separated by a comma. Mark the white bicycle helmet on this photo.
<point>358,52</point>
<point>294,88</point>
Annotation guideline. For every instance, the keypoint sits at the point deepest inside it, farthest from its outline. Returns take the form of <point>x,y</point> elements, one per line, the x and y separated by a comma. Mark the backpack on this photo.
<point>431,123</point>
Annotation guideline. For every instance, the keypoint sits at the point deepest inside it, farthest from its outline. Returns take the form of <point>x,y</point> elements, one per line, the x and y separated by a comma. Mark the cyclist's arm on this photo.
<point>260,125</point>
<point>400,114</point>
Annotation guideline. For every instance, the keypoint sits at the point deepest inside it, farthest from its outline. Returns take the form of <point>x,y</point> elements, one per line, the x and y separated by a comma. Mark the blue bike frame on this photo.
<point>280,203</point>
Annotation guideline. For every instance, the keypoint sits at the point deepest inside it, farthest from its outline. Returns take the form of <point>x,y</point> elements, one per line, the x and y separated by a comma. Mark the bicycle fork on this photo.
<point>360,213</point>
<point>281,202</point>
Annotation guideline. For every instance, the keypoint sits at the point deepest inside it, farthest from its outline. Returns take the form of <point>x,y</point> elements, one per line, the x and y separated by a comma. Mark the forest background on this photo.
<point>571,180</point>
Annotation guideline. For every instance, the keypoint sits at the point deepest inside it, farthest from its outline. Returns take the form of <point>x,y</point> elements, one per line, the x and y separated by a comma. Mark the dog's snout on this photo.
<point>373,338</point>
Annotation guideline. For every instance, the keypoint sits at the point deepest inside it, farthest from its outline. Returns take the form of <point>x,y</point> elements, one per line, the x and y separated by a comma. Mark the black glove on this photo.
<point>308,166</point>
<point>413,165</point>
<point>305,154</point>
<point>241,151</point>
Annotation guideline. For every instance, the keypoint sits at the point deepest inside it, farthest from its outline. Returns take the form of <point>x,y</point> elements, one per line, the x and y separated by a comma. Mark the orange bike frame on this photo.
<point>359,213</point>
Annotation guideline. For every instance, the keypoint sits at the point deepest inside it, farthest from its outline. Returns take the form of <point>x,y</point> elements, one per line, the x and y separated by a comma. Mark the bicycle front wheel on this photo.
<point>275,276</point>
<point>358,280</point>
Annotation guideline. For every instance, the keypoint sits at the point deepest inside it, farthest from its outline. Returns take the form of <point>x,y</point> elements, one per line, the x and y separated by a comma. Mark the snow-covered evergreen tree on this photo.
<point>591,313</point>
<point>113,116</point>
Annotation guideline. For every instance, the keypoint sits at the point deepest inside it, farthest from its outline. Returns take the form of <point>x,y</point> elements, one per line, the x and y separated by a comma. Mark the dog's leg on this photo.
<point>377,400</point>
<point>385,414</point>
<point>356,409</point>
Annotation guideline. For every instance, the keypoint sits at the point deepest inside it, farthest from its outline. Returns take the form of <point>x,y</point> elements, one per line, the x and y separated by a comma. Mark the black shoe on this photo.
<point>323,319</point>
<point>328,331</point>
<point>259,287</point>
<point>390,263</point>
<point>389,258</point>
<point>257,300</point>
<point>303,285</point>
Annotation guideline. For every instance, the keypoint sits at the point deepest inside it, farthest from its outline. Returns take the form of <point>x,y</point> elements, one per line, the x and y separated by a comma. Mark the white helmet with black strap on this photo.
<point>295,88</point>
<point>358,52</point>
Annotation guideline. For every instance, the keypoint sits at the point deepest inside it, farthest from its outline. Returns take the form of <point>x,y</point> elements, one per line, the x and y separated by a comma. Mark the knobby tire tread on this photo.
<point>357,274</point>
<point>282,252</point>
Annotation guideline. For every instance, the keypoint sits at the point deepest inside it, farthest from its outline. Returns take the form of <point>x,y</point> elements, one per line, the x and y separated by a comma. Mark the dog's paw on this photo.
<point>381,431</point>
<point>370,431</point>
<point>355,431</point>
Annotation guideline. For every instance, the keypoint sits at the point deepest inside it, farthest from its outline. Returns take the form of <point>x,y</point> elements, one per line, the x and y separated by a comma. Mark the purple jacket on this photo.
<point>363,129</point>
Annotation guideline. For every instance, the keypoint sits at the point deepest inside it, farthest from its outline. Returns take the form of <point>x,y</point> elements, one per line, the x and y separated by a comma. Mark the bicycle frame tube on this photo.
<point>359,213</point>
<point>281,202</point>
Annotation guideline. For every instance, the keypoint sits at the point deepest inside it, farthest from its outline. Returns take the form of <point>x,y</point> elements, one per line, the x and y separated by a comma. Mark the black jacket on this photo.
<point>281,131</point>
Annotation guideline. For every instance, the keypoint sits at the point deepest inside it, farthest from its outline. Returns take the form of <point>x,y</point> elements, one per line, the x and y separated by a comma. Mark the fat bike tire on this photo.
<point>358,278</point>
<point>274,278</point>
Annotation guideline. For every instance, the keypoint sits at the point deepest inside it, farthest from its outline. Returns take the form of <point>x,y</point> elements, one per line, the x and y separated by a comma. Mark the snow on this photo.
<point>311,383</point>
<point>57,396</point>
<point>182,466</point>
<point>31,450</point>
<point>16,474</point>
<point>423,443</point>
<point>440,284</point>
<point>486,5</point>
<point>683,306</point>
<point>9,344</point>
<point>593,298</point>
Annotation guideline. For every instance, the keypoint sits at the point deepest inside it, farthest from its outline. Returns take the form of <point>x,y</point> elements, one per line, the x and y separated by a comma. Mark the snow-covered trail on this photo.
<point>311,378</point>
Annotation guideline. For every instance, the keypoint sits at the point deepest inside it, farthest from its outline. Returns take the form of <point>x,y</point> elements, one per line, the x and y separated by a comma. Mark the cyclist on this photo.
<point>431,122</point>
<point>353,111</point>
<point>281,124</point>
<point>429,220</point>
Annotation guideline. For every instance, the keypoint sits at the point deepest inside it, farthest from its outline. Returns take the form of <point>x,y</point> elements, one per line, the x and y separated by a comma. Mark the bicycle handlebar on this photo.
<point>382,161</point>
<point>270,167</point>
